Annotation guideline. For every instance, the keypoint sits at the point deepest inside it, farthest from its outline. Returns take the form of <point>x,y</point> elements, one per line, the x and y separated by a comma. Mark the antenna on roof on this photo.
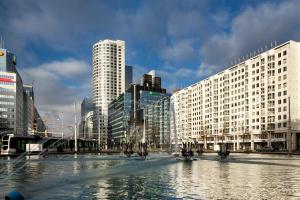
<point>1,42</point>
<point>266,47</point>
<point>271,44</point>
<point>275,43</point>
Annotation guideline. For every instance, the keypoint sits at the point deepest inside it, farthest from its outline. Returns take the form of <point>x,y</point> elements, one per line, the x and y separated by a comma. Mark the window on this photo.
<point>284,124</point>
<point>284,53</point>
<point>284,77</point>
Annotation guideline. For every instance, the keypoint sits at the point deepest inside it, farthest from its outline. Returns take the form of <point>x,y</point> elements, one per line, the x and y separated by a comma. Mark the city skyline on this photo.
<point>182,51</point>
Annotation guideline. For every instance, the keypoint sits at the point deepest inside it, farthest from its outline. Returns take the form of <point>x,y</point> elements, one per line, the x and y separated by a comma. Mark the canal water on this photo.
<point>93,176</point>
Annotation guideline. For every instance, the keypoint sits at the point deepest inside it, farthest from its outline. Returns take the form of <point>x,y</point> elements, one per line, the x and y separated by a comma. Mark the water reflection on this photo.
<point>159,177</point>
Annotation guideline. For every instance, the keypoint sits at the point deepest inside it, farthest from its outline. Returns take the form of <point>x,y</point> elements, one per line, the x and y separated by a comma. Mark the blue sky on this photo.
<point>185,41</point>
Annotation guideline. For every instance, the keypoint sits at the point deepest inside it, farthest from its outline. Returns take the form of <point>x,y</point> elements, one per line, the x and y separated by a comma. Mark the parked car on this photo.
<point>266,149</point>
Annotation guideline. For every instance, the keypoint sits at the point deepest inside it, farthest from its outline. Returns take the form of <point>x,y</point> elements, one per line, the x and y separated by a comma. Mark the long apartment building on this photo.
<point>247,105</point>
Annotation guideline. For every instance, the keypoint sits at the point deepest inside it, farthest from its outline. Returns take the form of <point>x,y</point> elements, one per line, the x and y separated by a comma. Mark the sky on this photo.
<point>183,40</point>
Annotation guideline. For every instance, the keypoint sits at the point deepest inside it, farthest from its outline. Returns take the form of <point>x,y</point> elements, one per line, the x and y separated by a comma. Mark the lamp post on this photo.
<point>75,127</point>
<point>62,124</point>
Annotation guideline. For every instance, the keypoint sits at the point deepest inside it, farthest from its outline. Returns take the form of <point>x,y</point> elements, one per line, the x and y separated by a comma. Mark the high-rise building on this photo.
<point>128,76</point>
<point>17,109</point>
<point>126,111</point>
<point>252,104</point>
<point>119,118</point>
<point>157,122</point>
<point>87,108</point>
<point>11,94</point>
<point>28,109</point>
<point>108,81</point>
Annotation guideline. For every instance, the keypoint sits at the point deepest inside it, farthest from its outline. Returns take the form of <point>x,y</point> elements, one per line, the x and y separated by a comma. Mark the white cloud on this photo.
<point>68,68</point>
<point>178,52</point>
<point>252,29</point>
<point>52,93</point>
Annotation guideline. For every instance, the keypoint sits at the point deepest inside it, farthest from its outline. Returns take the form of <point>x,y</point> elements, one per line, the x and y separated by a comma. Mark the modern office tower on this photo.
<point>108,81</point>
<point>88,126</point>
<point>128,76</point>
<point>118,119</point>
<point>39,126</point>
<point>17,109</point>
<point>28,109</point>
<point>157,121</point>
<point>11,94</point>
<point>151,80</point>
<point>252,104</point>
<point>131,105</point>
<point>85,130</point>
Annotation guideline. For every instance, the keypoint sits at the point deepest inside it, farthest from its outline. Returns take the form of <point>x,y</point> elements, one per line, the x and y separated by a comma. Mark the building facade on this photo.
<point>28,109</point>
<point>17,109</point>
<point>157,122</point>
<point>126,112</point>
<point>11,93</point>
<point>252,104</point>
<point>128,76</point>
<point>87,108</point>
<point>119,119</point>
<point>108,81</point>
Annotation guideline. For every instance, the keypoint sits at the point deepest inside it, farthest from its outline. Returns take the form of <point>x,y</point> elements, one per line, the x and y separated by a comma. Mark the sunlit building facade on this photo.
<point>247,105</point>
<point>11,94</point>
<point>126,112</point>
<point>18,114</point>
<point>108,81</point>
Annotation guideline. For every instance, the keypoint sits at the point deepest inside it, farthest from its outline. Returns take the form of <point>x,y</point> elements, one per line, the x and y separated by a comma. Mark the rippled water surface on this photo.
<point>159,177</point>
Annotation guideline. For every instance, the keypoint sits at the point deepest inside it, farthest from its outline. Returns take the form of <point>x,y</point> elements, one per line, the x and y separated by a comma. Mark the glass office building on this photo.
<point>157,121</point>
<point>11,95</point>
<point>125,114</point>
<point>119,119</point>
<point>17,110</point>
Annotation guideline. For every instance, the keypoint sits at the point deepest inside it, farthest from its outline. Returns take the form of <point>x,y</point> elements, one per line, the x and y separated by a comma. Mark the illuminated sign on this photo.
<point>7,80</point>
<point>1,53</point>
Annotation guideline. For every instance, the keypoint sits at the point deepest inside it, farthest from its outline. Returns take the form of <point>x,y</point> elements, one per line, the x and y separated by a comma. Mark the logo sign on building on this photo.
<point>6,80</point>
<point>1,53</point>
